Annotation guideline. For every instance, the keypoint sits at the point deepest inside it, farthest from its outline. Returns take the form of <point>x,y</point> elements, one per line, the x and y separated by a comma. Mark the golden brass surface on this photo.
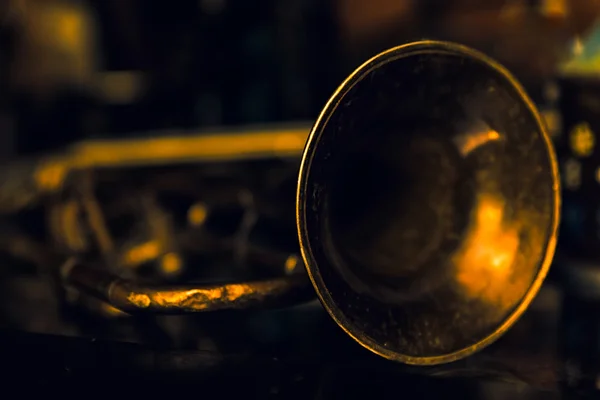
<point>135,298</point>
<point>427,207</point>
<point>428,203</point>
<point>25,183</point>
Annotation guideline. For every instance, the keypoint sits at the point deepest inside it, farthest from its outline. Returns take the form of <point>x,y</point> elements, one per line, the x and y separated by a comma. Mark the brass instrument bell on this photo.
<point>428,203</point>
<point>427,210</point>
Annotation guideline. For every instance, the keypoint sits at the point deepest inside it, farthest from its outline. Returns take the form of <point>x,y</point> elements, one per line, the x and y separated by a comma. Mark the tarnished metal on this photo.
<point>428,203</point>
<point>135,298</point>
<point>427,208</point>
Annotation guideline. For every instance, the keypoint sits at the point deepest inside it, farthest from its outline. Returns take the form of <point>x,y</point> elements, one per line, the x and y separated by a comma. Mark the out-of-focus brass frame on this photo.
<point>169,148</point>
<point>305,168</point>
<point>23,183</point>
<point>278,142</point>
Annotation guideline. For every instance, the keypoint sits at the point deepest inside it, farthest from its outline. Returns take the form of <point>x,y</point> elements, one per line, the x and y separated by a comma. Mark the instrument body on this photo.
<point>428,203</point>
<point>427,207</point>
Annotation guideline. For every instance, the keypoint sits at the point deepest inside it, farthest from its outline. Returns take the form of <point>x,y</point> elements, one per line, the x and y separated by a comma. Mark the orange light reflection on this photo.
<point>486,262</point>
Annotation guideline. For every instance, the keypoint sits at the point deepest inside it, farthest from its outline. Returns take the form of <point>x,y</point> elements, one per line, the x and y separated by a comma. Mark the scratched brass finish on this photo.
<point>427,208</point>
<point>135,298</point>
<point>428,203</point>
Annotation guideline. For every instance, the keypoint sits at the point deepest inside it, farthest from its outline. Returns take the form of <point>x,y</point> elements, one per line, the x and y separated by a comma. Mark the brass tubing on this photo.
<point>24,183</point>
<point>135,298</point>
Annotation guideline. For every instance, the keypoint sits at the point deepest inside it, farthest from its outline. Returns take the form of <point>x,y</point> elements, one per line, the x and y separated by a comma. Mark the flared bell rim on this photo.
<point>325,297</point>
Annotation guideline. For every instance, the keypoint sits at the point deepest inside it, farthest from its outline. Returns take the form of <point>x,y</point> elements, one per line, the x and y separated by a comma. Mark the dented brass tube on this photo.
<point>134,298</point>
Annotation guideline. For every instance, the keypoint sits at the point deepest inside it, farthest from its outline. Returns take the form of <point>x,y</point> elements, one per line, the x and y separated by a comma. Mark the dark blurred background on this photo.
<point>73,69</point>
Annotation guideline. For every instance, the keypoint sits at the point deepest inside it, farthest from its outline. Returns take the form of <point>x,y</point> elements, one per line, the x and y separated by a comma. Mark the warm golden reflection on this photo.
<point>109,310</point>
<point>69,28</point>
<point>292,263</point>
<point>51,173</point>
<point>485,263</point>
<point>171,263</point>
<point>554,8</point>
<point>197,214</point>
<point>193,299</point>
<point>57,45</point>
<point>197,298</point>
<point>582,140</point>
<point>131,297</point>
<point>143,253</point>
<point>468,142</point>
<point>174,149</point>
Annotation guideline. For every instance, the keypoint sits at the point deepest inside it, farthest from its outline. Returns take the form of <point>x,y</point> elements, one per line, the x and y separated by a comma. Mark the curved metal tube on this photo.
<point>23,183</point>
<point>134,298</point>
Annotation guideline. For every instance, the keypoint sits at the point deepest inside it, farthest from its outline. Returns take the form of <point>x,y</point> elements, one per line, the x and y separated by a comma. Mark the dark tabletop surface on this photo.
<point>309,358</point>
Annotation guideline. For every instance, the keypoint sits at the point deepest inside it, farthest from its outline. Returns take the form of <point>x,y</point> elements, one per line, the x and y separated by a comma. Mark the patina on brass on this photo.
<point>427,207</point>
<point>428,203</point>
<point>137,298</point>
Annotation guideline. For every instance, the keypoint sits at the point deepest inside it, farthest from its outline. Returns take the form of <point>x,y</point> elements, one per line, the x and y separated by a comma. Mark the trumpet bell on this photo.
<point>428,203</point>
